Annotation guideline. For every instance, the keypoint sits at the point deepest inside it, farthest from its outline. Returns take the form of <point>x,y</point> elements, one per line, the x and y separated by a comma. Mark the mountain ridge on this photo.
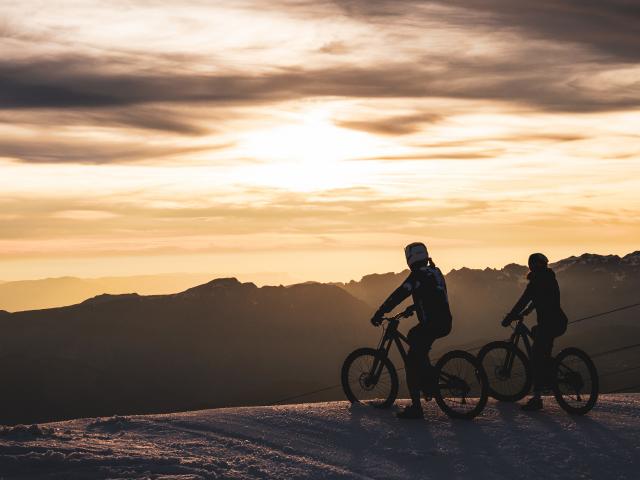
<point>39,289</point>
<point>229,343</point>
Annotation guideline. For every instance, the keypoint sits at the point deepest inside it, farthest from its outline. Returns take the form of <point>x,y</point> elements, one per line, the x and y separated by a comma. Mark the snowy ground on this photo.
<point>333,440</point>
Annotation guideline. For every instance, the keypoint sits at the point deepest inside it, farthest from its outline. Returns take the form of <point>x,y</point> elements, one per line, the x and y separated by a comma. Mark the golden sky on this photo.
<point>312,139</point>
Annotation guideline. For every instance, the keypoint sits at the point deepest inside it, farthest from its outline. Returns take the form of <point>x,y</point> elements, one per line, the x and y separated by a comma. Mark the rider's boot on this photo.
<point>412,412</point>
<point>534,404</point>
<point>429,384</point>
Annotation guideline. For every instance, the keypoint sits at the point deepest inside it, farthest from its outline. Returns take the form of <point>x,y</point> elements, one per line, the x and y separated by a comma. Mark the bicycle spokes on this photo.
<point>574,381</point>
<point>368,378</point>
<point>459,384</point>
<point>506,369</point>
<point>454,384</point>
<point>571,382</point>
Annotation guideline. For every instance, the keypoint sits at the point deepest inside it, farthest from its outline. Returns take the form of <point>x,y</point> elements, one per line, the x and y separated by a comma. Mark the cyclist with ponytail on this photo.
<point>542,294</point>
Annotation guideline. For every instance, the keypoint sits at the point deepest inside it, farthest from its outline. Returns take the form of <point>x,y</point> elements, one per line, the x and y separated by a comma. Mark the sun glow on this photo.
<point>311,153</point>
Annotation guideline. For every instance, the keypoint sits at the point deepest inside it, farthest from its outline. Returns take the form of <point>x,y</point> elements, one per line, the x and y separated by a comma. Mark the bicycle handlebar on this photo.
<point>406,313</point>
<point>516,318</point>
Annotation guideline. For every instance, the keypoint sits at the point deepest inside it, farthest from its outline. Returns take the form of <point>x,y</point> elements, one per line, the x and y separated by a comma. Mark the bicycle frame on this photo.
<point>521,331</point>
<point>393,336</point>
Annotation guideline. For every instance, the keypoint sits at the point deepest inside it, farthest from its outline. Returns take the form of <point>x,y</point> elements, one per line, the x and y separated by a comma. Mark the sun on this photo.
<point>307,154</point>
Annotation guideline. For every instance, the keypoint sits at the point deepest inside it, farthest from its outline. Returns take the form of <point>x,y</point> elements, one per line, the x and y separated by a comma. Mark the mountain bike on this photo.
<point>573,377</point>
<point>369,376</point>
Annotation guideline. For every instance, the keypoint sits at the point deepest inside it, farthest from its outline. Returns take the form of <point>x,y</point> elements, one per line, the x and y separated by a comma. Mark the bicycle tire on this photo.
<point>352,378</point>
<point>498,387</point>
<point>468,370</point>
<point>561,379</point>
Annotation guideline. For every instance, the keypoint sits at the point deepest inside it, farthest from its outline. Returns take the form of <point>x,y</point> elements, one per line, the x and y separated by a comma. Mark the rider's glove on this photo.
<point>409,311</point>
<point>376,320</point>
<point>508,319</point>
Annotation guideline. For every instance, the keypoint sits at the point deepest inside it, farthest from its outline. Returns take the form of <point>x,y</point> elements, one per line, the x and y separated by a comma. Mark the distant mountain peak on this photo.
<point>216,285</point>
<point>222,282</point>
<point>378,276</point>
<point>598,258</point>
<point>595,260</point>
<point>632,258</point>
<point>514,269</point>
<point>107,297</point>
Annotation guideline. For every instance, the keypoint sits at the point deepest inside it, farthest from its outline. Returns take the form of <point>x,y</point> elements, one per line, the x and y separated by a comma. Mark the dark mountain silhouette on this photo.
<point>61,291</point>
<point>227,343</point>
<point>217,344</point>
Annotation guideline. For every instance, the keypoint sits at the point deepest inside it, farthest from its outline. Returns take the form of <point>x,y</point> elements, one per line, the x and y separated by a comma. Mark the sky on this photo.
<point>312,140</point>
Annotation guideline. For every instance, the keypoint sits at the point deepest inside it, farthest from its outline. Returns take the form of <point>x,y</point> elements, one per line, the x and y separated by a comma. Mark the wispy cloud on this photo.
<point>51,150</point>
<point>397,125</point>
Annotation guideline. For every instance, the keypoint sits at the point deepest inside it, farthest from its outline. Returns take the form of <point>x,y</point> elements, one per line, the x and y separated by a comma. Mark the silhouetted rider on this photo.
<point>543,295</point>
<point>426,285</point>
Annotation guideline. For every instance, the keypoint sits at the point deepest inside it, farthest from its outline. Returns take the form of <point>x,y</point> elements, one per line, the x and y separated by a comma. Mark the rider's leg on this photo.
<point>540,360</point>
<point>418,366</point>
<point>414,369</point>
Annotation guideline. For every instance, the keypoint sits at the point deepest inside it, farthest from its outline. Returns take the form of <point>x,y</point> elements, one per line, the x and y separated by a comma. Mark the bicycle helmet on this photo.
<point>538,261</point>
<point>415,252</point>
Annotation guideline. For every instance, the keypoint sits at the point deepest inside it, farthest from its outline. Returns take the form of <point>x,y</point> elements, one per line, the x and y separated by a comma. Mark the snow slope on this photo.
<point>333,440</point>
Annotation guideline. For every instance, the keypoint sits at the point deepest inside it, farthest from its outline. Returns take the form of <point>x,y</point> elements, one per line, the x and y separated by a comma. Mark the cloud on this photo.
<point>549,55</point>
<point>517,138</point>
<point>335,47</point>
<point>80,82</point>
<point>145,117</point>
<point>398,125</point>
<point>450,155</point>
<point>48,150</point>
<point>331,212</point>
<point>150,118</point>
<point>611,28</point>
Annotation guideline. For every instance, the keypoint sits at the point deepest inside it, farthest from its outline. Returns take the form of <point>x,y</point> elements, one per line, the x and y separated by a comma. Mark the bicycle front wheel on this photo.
<point>370,378</point>
<point>462,385</point>
<point>575,381</point>
<point>507,369</point>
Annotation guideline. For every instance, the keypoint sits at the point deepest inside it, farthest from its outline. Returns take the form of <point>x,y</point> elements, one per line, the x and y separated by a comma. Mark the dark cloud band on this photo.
<point>76,82</point>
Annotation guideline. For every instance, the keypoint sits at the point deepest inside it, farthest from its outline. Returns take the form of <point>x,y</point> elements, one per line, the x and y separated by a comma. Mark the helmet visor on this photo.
<point>415,252</point>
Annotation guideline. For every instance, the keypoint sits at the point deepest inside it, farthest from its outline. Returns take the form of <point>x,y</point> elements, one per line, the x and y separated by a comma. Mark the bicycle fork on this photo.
<point>378,364</point>
<point>509,358</point>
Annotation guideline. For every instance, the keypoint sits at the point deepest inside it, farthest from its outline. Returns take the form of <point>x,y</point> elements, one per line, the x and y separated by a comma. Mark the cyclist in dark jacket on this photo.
<point>543,295</point>
<point>426,285</point>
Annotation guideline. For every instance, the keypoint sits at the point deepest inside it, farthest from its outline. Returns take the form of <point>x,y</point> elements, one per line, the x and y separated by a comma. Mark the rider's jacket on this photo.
<point>427,286</point>
<point>543,294</point>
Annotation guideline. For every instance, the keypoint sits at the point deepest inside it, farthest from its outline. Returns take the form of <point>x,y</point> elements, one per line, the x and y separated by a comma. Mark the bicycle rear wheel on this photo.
<point>462,385</point>
<point>507,369</point>
<point>575,381</point>
<point>367,377</point>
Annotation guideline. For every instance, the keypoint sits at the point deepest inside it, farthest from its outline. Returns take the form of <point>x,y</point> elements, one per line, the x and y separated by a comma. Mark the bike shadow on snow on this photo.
<point>502,442</point>
<point>389,447</point>
<point>551,440</point>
